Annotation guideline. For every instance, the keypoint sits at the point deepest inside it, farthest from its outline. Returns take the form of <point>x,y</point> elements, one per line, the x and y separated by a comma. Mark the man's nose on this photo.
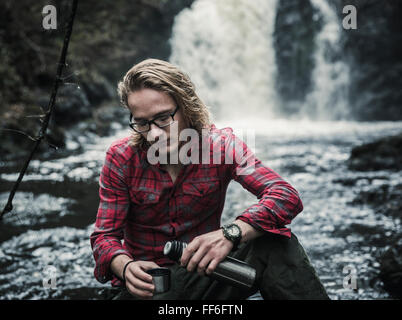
<point>155,132</point>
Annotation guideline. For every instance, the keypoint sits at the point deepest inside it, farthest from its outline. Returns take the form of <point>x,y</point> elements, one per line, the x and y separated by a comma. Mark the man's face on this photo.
<point>147,104</point>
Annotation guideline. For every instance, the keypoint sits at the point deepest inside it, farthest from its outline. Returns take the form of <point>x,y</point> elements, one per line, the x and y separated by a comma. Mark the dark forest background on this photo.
<point>108,38</point>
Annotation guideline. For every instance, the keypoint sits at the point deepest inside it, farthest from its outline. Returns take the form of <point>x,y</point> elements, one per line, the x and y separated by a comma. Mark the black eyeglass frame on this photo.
<point>149,122</point>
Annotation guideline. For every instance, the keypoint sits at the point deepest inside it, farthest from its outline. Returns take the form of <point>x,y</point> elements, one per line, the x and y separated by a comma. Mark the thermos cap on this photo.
<point>167,248</point>
<point>174,249</point>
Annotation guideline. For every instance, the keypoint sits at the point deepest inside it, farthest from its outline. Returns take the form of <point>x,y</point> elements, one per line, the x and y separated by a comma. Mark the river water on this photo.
<point>47,233</point>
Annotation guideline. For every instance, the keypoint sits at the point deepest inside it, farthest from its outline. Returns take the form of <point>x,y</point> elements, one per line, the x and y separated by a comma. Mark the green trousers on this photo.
<point>284,272</point>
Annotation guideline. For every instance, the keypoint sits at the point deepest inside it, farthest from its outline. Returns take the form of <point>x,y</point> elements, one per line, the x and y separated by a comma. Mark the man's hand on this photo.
<point>138,282</point>
<point>205,252</point>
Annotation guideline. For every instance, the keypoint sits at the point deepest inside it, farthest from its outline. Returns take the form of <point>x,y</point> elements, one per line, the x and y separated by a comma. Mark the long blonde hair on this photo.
<point>163,76</point>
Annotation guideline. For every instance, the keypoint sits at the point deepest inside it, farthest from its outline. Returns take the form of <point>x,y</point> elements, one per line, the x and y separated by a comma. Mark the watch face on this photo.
<point>233,231</point>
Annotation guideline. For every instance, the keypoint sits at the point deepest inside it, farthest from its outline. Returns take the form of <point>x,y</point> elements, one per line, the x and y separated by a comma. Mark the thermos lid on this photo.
<point>174,249</point>
<point>167,248</point>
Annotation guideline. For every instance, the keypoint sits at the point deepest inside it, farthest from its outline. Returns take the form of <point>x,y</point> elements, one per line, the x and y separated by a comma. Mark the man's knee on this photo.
<point>284,270</point>
<point>269,245</point>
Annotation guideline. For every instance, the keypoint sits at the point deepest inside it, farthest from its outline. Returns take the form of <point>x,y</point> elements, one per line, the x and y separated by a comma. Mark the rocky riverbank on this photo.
<point>385,197</point>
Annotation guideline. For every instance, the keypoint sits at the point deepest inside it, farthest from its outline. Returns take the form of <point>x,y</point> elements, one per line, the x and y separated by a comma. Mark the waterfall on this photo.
<point>226,48</point>
<point>329,98</point>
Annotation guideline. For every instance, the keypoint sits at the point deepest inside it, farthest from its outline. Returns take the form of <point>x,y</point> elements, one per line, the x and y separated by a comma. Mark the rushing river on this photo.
<point>47,233</point>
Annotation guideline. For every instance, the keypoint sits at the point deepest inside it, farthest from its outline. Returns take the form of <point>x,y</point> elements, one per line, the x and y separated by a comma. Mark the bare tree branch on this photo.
<point>48,113</point>
<point>20,132</point>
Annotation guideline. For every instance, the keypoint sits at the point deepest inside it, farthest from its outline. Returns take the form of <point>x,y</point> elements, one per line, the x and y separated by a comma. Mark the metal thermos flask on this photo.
<point>230,271</point>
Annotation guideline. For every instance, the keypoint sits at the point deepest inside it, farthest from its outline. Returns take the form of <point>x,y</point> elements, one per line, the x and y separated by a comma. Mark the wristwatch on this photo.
<point>232,232</point>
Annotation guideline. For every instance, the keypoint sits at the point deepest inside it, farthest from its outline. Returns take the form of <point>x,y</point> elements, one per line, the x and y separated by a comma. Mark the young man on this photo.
<point>147,203</point>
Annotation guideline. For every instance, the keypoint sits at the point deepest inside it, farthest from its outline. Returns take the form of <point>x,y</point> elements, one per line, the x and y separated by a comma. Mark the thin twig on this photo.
<point>20,132</point>
<point>45,123</point>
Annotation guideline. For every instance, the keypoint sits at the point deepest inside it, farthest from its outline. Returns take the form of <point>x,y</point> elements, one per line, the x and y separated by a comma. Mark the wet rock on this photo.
<point>374,59</point>
<point>26,258</point>
<point>383,154</point>
<point>72,105</point>
<point>105,115</point>
<point>5,260</point>
<point>391,269</point>
<point>349,182</point>
<point>296,25</point>
<point>385,199</point>
<point>98,89</point>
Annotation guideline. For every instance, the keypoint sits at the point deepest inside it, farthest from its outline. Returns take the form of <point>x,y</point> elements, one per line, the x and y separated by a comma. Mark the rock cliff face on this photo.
<point>296,26</point>
<point>108,38</point>
<point>374,51</point>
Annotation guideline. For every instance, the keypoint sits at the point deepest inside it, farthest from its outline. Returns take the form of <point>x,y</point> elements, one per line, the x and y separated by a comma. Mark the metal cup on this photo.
<point>160,279</point>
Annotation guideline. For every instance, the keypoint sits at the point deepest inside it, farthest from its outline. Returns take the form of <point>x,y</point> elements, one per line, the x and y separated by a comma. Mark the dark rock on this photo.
<point>348,182</point>
<point>25,257</point>
<point>72,105</point>
<point>107,114</point>
<point>373,52</point>
<point>385,199</point>
<point>98,90</point>
<point>383,154</point>
<point>391,269</point>
<point>296,25</point>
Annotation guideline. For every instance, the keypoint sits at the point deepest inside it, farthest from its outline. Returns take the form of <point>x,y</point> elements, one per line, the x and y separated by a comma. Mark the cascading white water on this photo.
<point>329,97</point>
<point>226,48</point>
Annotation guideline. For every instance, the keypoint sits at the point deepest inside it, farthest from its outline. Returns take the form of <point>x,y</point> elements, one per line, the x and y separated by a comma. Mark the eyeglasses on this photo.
<point>161,121</point>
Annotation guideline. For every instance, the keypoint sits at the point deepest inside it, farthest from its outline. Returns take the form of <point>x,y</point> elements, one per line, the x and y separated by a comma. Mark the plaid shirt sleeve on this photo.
<point>278,201</point>
<point>113,208</point>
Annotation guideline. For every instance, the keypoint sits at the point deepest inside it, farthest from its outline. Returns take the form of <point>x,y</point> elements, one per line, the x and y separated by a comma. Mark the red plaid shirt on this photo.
<point>141,205</point>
